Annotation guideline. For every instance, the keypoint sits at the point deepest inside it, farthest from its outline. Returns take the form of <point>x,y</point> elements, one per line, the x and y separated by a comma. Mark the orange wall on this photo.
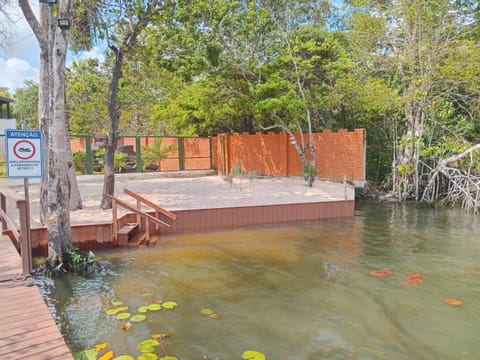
<point>339,154</point>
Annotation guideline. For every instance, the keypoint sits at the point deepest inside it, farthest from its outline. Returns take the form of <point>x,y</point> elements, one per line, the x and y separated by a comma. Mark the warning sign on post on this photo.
<point>24,153</point>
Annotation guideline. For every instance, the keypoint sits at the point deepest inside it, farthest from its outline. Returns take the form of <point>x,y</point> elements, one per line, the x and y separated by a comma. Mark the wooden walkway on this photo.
<point>27,330</point>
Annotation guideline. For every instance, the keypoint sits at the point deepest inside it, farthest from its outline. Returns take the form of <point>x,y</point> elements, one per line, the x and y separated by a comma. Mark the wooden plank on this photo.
<point>27,329</point>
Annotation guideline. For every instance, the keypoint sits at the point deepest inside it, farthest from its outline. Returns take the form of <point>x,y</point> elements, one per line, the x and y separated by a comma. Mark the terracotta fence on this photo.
<point>340,154</point>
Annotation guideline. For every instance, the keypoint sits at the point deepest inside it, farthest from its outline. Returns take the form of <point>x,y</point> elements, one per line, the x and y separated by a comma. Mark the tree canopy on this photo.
<point>407,71</point>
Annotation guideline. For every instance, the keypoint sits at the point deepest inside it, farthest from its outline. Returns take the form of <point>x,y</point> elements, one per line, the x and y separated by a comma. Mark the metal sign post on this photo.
<point>24,158</point>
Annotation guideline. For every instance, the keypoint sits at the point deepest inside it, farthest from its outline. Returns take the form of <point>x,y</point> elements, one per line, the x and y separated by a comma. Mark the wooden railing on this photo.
<point>20,236</point>
<point>141,215</point>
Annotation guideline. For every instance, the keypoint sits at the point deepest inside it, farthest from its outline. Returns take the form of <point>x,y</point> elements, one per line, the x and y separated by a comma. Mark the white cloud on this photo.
<point>19,57</point>
<point>14,71</point>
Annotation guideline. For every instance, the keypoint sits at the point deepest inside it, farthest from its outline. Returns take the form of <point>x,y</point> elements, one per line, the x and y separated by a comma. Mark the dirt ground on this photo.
<point>185,190</point>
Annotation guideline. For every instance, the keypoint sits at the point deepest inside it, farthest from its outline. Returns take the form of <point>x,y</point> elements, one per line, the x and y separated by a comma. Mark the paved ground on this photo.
<point>192,190</point>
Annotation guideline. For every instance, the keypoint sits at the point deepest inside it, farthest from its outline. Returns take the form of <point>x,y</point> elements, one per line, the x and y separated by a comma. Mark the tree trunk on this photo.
<point>59,230</point>
<point>112,140</point>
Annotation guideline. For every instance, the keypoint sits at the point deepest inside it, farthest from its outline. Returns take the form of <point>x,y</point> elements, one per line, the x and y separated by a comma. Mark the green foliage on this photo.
<point>154,154</point>
<point>73,261</point>
<point>79,162</point>
<point>87,89</point>
<point>119,159</point>
<point>309,172</point>
<point>25,107</point>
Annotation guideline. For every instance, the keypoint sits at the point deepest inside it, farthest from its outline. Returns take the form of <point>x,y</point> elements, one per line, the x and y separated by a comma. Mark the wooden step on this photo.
<point>137,240</point>
<point>126,232</point>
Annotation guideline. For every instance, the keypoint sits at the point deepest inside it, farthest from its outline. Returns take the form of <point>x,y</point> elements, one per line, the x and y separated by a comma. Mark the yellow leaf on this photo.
<point>101,346</point>
<point>107,356</point>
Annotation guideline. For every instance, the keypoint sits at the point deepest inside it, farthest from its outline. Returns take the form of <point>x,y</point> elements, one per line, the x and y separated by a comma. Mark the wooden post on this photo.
<point>3,206</point>
<point>25,239</point>
<point>88,155</point>
<point>114,222</point>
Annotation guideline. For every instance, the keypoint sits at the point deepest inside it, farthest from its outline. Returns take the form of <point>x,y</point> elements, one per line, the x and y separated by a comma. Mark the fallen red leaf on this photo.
<point>452,301</point>
<point>415,280</point>
<point>381,272</point>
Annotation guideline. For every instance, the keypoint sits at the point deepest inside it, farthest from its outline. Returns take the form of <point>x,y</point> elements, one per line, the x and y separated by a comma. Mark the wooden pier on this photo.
<point>27,329</point>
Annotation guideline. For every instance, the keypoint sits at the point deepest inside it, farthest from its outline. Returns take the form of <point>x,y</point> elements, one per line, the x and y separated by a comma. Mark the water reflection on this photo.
<point>300,292</point>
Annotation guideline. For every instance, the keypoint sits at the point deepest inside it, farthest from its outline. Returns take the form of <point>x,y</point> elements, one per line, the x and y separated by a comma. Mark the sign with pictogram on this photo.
<point>24,153</point>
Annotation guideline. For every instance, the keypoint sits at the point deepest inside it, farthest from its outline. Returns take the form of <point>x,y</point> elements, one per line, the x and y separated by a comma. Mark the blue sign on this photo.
<point>24,153</point>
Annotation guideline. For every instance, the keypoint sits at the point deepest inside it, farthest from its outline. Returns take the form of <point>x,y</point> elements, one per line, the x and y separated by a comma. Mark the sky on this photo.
<point>19,60</point>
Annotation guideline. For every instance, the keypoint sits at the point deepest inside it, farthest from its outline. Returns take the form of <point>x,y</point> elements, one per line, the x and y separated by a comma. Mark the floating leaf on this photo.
<point>148,356</point>
<point>147,295</point>
<point>157,301</point>
<point>117,302</point>
<point>123,357</point>
<point>206,311</point>
<point>88,354</point>
<point>168,358</point>
<point>215,315</point>
<point>415,280</point>
<point>123,315</point>
<point>142,309</point>
<point>381,272</point>
<point>112,311</point>
<point>169,304</point>
<point>121,308</point>
<point>160,336</point>
<point>147,346</point>
<point>452,301</point>
<point>107,356</point>
<point>138,317</point>
<point>125,326</point>
<point>154,307</point>
<point>253,355</point>
<point>101,346</point>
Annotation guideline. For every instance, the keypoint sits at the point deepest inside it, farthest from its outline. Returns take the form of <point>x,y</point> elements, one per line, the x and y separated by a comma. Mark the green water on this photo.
<point>292,292</point>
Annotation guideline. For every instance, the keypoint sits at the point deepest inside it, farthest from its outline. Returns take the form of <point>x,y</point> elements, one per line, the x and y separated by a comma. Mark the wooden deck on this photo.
<point>27,329</point>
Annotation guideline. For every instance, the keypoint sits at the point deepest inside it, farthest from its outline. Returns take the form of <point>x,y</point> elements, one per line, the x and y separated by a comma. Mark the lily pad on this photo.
<point>168,358</point>
<point>123,315</point>
<point>154,307</point>
<point>117,302</point>
<point>112,311</point>
<point>253,355</point>
<point>147,346</point>
<point>142,309</point>
<point>88,354</point>
<point>148,356</point>
<point>121,308</point>
<point>147,295</point>
<point>169,304</point>
<point>206,311</point>
<point>123,357</point>
<point>138,318</point>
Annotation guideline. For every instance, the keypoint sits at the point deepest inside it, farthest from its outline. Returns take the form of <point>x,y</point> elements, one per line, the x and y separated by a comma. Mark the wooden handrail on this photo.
<point>20,235</point>
<point>9,227</point>
<point>137,211</point>
<point>154,206</point>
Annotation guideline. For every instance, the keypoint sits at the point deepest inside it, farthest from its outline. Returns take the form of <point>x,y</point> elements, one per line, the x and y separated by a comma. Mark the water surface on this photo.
<point>292,292</point>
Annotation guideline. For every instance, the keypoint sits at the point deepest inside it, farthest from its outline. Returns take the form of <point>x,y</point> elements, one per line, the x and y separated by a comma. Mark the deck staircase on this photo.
<point>146,228</point>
